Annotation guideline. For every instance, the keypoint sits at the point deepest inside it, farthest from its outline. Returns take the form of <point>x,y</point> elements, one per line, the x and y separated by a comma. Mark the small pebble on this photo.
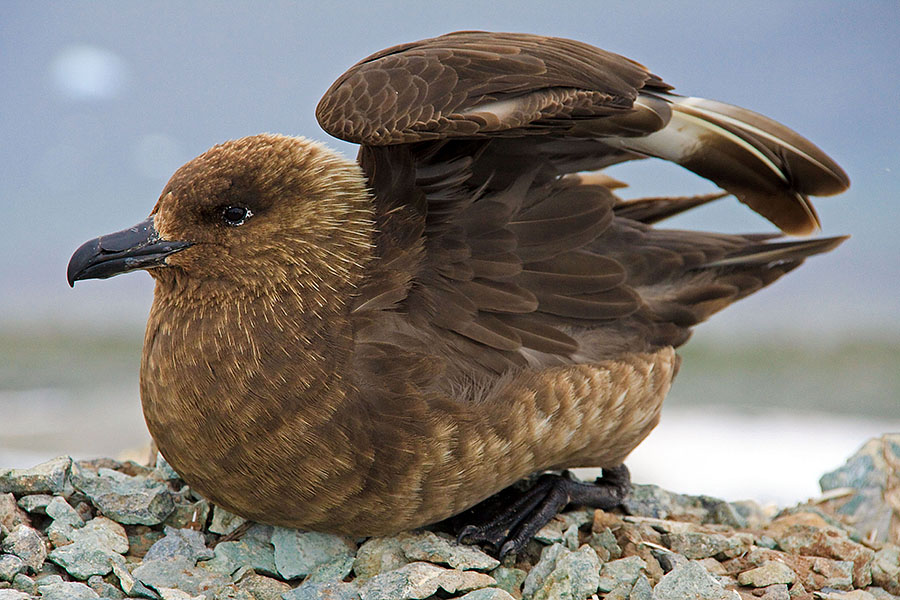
<point>126,499</point>
<point>26,543</point>
<point>46,478</point>
<point>770,573</point>
<point>298,553</point>
<point>433,548</point>
<point>35,503</point>
<point>10,566</point>
<point>691,580</point>
<point>66,590</point>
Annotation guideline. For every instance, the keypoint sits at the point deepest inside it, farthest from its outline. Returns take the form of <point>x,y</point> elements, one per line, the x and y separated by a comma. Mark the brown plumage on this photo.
<point>365,348</point>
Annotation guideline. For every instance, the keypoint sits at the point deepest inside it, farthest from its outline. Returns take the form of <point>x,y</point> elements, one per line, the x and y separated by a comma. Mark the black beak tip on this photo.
<point>81,259</point>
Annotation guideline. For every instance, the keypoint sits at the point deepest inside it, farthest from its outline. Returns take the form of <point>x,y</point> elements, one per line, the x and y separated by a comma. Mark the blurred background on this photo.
<point>100,102</point>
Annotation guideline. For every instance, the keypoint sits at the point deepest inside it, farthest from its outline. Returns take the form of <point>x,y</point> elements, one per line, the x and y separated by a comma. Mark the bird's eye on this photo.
<point>236,215</point>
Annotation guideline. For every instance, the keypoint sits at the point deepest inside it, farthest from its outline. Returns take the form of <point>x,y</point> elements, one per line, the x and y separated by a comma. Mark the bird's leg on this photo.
<point>507,520</point>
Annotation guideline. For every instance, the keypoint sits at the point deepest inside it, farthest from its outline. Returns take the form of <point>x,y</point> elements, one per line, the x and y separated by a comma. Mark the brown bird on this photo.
<point>368,347</point>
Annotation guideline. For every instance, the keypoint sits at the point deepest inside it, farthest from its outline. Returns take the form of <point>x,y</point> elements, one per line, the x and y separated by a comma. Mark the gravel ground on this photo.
<point>72,530</point>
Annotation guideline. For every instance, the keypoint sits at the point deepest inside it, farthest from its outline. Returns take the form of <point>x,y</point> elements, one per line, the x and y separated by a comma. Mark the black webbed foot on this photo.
<point>507,520</point>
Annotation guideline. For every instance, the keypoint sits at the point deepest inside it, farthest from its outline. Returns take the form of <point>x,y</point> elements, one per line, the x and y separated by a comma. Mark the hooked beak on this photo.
<point>138,247</point>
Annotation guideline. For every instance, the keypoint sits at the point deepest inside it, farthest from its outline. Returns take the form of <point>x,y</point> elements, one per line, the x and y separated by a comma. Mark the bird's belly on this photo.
<point>370,473</point>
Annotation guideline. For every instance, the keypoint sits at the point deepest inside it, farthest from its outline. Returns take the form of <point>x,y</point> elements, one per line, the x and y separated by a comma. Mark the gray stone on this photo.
<point>298,553</point>
<point>867,472</point>
<point>180,544</point>
<point>10,566</point>
<point>378,555</point>
<point>695,544</point>
<point>60,510</point>
<point>334,570</point>
<point>189,515</point>
<point>66,590</point>
<point>13,595</point>
<point>490,593</point>
<point>829,543</point>
<point>605,544</point>
<point>556,529</point>
<point>163,470</point>
<point>103,589</point>
<point>172,563</point>
<point>542,569</point>
<point>35,503</point>
<point>622,571</point>
<point>769,573</point>
<point>642,590</point>
<point>886,568</point>
<point>433,548</point>
<point>880,594</point>
<point>26,543</point>
<point>420,580</point>
<point>11,515</point>
<point>691,580</point>
<point>335,590</point>
<point>25,583</point>
<point>260,587</point>
<point>653,501</point>
<point>778,591</point>
<point>668,560</point>
<point>46,478</point>
<point>575,576</point>
<point>254,549</point>
<point>224,522</point>
<point>94,549</point>
<point>509,579</point>
<point>123,498</point>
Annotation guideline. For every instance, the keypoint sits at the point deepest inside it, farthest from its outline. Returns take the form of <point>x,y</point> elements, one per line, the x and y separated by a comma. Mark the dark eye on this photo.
<point>236,215</point>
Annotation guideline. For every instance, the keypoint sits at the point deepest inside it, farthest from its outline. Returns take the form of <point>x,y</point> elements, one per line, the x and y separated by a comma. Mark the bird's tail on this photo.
<point>764,164</point>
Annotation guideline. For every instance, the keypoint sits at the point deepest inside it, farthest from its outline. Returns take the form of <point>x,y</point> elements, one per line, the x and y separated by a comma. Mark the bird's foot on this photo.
<point>510,518</point>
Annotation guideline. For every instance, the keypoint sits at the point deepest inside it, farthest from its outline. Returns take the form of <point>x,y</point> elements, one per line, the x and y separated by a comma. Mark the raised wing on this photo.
<point>477,84</point>
<point>492,253</point>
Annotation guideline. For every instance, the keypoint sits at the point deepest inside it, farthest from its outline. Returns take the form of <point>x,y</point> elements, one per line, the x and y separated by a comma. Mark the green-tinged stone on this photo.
<point>420,580</point>
<point>26,543</point>
<point>378,555</point>
<point>490,593</point>
<point>253,549</point>
<point>334,590</point>
<point>696,544</point>
<point>334,570</point>
<point>690,580</point>
<point>224,522</point>
<point>623,571</point>
<point>509,579</point>
<point>10,566</point>
<point>35,503</point>
<point>94,548</point>
<point>104,589</point>
<point>66,590</point>
<point>46,478</point>
<point>434,548</point>
<point>123,498</point>
<point>605,544</point>
<point>574,577</point>
<point>298,553</point>
<point>542,569</point>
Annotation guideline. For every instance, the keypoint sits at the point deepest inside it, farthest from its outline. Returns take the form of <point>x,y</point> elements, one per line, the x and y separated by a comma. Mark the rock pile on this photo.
<point>72,530</point>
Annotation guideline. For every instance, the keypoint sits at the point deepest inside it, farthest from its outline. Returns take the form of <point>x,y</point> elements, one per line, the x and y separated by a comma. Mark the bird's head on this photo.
<point>250,212</point>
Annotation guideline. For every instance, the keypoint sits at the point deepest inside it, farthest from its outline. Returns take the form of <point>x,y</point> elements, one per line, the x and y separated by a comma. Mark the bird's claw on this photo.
<point>508,526</point>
